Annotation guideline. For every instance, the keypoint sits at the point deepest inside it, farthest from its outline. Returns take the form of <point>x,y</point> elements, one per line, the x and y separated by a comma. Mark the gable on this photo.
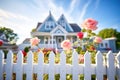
<point>63,22</point>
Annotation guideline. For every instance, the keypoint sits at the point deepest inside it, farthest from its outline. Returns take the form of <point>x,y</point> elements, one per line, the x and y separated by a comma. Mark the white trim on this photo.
<point>58,27</point>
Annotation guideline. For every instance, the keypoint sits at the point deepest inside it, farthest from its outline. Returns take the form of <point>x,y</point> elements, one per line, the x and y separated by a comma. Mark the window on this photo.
<point>101,44</point>
<point>49,25</point>
<point>106,45</point>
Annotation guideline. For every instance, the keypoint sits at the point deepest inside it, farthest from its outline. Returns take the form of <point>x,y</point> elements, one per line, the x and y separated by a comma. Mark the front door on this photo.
<point>59,40</point>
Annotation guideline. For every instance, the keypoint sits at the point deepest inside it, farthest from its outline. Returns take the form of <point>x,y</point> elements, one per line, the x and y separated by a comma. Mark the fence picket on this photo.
<point>87,66</point>
<point>111,69</point>
<point>40,67</point>
<point>51,66</point>
<point>118,65</point>
<point>9,65</point>
<point>110,66</point>
<point>75,65</point>
<point>29,66</point>
<point>1,64</point>
<point>99,66</point>
<point>19,66</point>
<point>62,66</point>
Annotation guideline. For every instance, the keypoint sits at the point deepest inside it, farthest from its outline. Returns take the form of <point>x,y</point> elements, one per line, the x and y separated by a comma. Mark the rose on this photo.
<point>80,35</point>
<point>24,53</point>
<point>98,40</point>
<point>34,41</point>
<point>66,45</point>
<point>1,42</point>
<point>81,58</point>
<point>90,24</point>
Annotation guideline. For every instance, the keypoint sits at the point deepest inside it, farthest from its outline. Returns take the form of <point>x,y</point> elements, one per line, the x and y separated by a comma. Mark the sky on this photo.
<point>23,15</point>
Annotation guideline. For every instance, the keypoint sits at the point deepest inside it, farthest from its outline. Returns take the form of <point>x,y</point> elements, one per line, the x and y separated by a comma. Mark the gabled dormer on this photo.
<point>63,22</point>
<point>48,24</point>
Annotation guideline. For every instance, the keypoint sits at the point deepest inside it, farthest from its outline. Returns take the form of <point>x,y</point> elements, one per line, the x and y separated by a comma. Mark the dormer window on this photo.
<point>49,25</point>
<point>62,22</point>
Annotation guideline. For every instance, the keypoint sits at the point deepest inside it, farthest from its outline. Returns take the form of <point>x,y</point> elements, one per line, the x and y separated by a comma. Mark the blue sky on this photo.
<point>23,15</point>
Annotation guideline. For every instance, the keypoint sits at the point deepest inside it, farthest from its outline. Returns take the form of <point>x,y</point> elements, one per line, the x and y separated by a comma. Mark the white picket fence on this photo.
<point>110,67</point>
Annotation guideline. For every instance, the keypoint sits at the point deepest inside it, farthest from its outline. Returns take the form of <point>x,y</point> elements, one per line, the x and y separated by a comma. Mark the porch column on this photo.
<point>71,39</point>
<point>64,36</point>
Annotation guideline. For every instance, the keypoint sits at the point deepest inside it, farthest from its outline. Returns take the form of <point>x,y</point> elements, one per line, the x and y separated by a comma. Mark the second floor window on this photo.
<point>49,25</point>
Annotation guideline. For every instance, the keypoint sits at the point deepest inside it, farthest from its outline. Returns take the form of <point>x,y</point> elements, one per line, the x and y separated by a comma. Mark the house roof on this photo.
<point>27,40</point>
<point>38,25</point>
<point>75,27</point>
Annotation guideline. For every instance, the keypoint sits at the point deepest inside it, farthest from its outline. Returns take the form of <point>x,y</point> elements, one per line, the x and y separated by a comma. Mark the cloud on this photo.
<point>8,15</point>
<point>83,12</point>
<point>74,4</point>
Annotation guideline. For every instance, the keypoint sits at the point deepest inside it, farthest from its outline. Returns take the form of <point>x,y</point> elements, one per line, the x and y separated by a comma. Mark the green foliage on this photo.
<point>9,33</point>
<point>107,33</point>
<point>26,49</point>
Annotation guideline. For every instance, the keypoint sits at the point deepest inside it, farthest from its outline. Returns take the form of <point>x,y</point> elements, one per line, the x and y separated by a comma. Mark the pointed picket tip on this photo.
<point>75,58</point>
<point>30,57</point>
<point>75,52</point>
<point>110,54</point>
<point>10,54</point>
<point>51,57</point>
<point>20,54</point>
<point>51,54</point>
<point>40,58</point>
<point>99,54</point>
<point>87,54</point>
<point>62,54</point>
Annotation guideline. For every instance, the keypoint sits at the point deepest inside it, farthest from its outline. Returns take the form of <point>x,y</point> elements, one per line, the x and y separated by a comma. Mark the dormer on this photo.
<point>63,22</point>
<point>48,24</point>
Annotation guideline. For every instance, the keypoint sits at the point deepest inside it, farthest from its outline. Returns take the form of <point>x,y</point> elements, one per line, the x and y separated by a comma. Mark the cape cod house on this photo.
<point>51,32</point>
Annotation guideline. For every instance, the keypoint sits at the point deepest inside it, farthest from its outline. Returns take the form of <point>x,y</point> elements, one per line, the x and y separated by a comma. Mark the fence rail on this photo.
<point>110,67</point>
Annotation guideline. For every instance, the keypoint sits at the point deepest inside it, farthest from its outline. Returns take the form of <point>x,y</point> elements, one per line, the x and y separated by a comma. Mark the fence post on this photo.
<point>51,65</point>
<point>9,65</point>
<point>1,64</point>
<point>40,66</point>
<point>110,66</point>
<point>75,65</point>
<point>118,65</point>
<point>29,66</point>
<point>87,66</point>
<point>19,66</point>
<point>99,66</point>
<point>63,66</point>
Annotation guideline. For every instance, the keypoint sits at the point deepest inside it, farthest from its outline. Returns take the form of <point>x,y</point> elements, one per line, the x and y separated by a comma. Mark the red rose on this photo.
<point>24,53</point>
<point>1,42</point>
<point>80,35</point>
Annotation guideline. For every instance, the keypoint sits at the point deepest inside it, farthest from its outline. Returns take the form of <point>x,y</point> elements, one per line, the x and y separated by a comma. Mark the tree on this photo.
<point>107,33</point>
<point>9,33</point>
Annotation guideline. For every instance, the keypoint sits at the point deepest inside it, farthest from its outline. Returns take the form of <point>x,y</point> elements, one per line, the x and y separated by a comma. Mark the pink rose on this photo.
<point>80,35</point>
<point>66,45</point>
<point>1,42</point>
<point>98,40</point>
<point>90,24</point>
<point>81,58</point>
<point>34,41</point>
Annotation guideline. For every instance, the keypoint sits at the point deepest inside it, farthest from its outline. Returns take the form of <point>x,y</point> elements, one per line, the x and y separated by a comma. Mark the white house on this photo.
<point>51,32</point>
